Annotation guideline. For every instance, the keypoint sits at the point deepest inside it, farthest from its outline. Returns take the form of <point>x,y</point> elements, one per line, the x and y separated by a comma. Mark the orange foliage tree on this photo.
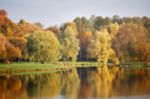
<point>12,53</point>
<point>2,46</point>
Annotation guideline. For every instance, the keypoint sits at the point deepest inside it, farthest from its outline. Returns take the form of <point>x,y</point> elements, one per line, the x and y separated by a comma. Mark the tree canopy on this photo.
<point>43,46</point>
<point>97,38</point>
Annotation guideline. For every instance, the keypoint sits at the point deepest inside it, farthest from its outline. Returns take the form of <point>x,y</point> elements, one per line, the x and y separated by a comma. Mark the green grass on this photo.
<point>27,66</point>
<point>133,63</point>
<point>15,68</point>
<point>37,68</point>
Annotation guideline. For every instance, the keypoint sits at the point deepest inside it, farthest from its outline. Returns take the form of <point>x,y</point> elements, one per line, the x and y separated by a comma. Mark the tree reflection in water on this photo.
<point>12,88</point>
<point>75,84</point>
<point>99,82</point>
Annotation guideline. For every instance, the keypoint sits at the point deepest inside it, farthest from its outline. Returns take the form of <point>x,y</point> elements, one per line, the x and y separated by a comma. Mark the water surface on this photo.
<point>81,83</point>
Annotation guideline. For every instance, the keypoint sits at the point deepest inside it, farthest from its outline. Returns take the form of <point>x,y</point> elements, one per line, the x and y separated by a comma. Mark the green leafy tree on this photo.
<point>116,19</point>
<point>98,22</point>
<point>43,46</point>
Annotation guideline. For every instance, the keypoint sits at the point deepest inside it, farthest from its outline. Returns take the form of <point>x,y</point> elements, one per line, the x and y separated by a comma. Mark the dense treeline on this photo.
<point>95,39</point>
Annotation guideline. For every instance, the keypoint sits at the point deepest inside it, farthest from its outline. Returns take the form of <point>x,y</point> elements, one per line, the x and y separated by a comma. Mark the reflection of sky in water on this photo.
<point>91,83</point>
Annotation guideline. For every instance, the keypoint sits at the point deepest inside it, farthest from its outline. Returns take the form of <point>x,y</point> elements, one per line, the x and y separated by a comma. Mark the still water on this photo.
<point>81,83</point>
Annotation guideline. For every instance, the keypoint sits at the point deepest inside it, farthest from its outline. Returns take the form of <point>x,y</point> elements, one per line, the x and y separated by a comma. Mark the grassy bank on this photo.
<point>27,68</point>
<point>37,68</point>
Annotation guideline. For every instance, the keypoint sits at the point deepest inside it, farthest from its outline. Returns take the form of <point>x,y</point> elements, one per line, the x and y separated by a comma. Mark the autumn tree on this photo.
<point>2,46</point>
<point>40,25</point>
<point>12,53</point>
<point>55,30</point>
<point>113,29</point>
<point>85,30</point>
<point>105,39</point>
<point>26,28</point>
<point>21,43</point>
<point>70,44</point>
<point>143,52</point>
<point>100,45</point>
<point>7,27</point>
<point>43,46</point>
<point>129,37</point>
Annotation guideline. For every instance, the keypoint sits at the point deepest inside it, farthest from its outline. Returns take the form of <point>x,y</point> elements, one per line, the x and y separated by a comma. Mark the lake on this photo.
<point>80,83</point>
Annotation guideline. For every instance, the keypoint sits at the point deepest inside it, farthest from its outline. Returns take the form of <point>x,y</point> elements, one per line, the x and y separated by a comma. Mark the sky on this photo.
<point>52,12</point>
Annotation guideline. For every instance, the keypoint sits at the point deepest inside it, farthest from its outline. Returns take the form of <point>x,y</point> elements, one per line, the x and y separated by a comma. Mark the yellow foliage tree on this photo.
<point>70,44</point>
<point>100,45</point>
